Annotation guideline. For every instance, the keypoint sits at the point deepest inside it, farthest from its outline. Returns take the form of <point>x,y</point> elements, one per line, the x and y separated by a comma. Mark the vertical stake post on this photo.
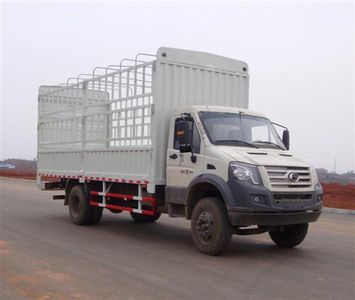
<point>104,193</point>
<point>140,197</point>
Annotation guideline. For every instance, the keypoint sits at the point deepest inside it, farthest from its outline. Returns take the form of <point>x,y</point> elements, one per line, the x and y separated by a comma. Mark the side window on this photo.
<point>196,139</point>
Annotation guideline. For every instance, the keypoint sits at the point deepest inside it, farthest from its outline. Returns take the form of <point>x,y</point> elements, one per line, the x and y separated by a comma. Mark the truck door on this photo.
<point>183,167</point>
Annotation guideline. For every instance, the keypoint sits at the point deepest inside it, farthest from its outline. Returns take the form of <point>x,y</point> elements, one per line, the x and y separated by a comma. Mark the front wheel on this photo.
<point>210,227</point>
<point>289,236</point>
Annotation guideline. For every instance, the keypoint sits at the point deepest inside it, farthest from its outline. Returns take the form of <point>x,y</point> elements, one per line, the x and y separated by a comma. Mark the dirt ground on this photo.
<point>45,256</point>
<point>335,195</point>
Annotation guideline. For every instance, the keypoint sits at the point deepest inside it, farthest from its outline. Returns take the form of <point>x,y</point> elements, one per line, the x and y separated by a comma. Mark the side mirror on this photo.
<point>184,135</point>
<point>286,139</point>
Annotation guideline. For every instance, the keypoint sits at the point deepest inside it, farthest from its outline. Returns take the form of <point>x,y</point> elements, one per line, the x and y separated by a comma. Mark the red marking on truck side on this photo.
<point>46,176</point>
<point>119,207</point>
<point>124,196</point>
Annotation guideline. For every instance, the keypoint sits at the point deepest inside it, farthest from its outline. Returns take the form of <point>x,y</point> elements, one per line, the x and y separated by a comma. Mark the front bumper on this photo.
<point>272,219</point>
<point>248,198</point>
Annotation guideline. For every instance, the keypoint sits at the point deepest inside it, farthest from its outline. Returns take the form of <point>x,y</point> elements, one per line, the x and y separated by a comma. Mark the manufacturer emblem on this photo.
<point>293,176</point>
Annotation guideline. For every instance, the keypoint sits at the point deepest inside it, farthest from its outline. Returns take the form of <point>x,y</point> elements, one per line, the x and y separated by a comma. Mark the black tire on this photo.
<point>139,218</point>
<point>96,215</point>
<point>210,227</point>
<point>290,236</point>
<point>80,211</point>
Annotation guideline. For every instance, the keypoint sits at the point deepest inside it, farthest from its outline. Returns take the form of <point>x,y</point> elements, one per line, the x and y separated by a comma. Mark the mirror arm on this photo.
<point>284,127</point>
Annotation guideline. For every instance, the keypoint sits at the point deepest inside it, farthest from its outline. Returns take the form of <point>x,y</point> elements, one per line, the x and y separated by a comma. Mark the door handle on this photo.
<point>173,156</point>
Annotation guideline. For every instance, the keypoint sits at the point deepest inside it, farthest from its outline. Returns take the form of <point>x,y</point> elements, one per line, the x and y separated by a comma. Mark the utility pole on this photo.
<point>335,165</point>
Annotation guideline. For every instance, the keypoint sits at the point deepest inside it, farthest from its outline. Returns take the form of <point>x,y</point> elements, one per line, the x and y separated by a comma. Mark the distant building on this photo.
<point>327,177</point>
<point>6,166</point>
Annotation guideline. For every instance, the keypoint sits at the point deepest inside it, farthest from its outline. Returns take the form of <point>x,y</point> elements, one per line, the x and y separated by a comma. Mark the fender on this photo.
<point>207,179</point>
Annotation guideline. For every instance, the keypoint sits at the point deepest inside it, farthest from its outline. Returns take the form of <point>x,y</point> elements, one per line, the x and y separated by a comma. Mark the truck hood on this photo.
<point>263,156</point>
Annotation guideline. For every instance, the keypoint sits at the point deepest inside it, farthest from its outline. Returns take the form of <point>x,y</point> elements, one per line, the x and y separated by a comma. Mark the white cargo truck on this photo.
<point>172,133</point>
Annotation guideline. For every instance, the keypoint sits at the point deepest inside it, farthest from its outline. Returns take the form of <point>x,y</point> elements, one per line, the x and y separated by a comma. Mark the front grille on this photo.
<point>290,177</point>
<point>292,196</point>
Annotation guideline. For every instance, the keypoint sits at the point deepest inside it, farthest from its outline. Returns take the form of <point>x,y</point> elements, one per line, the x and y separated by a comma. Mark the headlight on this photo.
<point>319,192</point>
<point>246,172</point>
<point>318,188</point>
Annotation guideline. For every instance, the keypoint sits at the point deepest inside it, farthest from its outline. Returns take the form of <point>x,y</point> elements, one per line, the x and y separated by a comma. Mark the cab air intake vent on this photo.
<point>257,153</point>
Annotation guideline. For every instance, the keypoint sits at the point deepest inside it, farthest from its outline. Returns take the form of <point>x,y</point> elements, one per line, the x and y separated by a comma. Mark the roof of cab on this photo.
<point>214,108</point>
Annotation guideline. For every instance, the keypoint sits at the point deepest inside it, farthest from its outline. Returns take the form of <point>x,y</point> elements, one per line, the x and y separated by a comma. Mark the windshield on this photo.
<point>240,129</point>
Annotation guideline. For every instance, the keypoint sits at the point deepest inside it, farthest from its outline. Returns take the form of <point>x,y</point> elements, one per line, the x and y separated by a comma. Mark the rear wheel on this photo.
<point>140,218</point>
<point>210,227</point>
<point>96,215</point>
<point>289,236</point>
<point>80,211</point>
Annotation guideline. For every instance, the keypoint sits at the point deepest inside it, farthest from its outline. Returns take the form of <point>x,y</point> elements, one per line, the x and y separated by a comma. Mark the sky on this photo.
<point>300,57</point>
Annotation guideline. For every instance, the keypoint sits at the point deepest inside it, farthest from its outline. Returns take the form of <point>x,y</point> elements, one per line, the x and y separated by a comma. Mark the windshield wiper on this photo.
<point>270,143</point>
<point>236,141</point>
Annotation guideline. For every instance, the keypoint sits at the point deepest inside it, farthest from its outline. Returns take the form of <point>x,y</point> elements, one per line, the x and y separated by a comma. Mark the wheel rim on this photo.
<point>75,206</point>
<point>205,227</point>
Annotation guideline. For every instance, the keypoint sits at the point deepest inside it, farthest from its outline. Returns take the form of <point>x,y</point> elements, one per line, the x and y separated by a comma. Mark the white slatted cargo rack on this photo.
<point>112,125</point>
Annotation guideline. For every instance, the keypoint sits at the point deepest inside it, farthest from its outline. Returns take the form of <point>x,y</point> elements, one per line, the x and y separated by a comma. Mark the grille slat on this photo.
<point>285,177</point>
<point>291,183</point>
<point>279,176</point>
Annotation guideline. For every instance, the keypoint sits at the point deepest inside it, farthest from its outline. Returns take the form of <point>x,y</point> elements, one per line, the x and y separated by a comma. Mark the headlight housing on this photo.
<point>319,192</point>
<point>318,188</point>
<point>245,172</point>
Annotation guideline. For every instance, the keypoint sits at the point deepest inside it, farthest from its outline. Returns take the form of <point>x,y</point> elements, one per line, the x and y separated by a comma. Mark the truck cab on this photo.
<point>237,157</point>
